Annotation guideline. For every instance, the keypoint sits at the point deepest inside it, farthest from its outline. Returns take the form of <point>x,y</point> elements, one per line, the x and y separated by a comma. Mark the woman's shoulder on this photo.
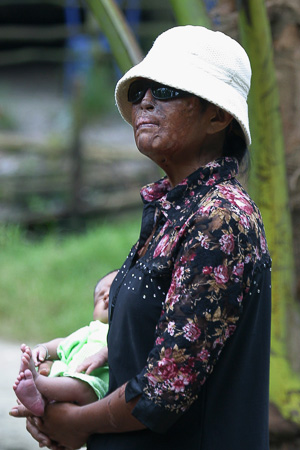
<point>230,197</point>
<point>225,206</point>
<point>228,210</point>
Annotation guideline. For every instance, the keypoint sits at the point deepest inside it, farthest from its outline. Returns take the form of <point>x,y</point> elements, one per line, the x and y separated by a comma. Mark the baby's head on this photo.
<point>101,297</point>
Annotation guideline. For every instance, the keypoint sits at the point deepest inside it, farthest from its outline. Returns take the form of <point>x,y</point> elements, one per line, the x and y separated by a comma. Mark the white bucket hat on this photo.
<point>206,63</point>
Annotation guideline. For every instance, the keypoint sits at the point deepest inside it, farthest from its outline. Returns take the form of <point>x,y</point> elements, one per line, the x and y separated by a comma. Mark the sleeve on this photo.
<point>211,274</point>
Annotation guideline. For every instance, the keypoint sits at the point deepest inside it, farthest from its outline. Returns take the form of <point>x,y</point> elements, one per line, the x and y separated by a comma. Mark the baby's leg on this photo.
<point>66,389</point>
<point>59,389</point>
<point>25,386</point>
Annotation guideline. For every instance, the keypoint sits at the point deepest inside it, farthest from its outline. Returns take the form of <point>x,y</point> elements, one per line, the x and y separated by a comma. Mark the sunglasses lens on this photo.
<point>137,91</point>
<point>138,88</point>
<point>163,92</point>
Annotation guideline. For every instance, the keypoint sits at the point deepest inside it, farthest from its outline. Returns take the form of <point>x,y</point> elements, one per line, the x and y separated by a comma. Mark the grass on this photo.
<point>46,286</point>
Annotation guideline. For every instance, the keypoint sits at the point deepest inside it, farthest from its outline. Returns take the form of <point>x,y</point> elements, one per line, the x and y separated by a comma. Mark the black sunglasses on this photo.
<point>138,89</point>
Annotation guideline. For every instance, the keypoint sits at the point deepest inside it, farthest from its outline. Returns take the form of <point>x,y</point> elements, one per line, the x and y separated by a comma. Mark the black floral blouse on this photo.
<point>179,297</point>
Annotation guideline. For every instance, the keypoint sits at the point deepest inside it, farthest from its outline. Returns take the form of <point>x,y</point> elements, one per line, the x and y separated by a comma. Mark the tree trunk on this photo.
<point>268,187</point>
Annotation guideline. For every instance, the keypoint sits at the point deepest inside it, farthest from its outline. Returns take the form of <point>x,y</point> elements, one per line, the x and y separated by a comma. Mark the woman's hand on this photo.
<point>32,424</point>
<point>61,422</point>
<point>94,361</point>
<point>58,429</point>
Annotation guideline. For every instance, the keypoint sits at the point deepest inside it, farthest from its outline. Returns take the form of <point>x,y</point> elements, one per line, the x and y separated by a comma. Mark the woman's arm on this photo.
<point>201,311</point>
<point>71,425</point>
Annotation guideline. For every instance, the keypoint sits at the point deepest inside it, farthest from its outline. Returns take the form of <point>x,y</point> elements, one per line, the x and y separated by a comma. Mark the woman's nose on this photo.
<point>147,100</point>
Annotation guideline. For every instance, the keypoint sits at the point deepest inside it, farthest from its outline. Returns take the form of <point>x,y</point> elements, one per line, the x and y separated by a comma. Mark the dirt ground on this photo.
<point>13,432</point>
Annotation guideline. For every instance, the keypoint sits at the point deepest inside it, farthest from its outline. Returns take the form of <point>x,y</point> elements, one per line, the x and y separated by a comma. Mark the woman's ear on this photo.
<point>219,120</point>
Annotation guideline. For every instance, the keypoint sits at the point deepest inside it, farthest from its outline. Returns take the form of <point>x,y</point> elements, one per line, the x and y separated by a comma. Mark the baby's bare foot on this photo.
<point>27,393</point>
<point>22,366</point>
<point>27,361</point>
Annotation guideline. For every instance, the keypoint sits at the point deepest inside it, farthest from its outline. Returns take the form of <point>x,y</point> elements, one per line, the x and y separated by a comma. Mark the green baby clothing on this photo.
<point>75,348</point>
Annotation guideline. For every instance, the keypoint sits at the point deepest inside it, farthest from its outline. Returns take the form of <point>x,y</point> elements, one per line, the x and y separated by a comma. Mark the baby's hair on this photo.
<point>102,278</point>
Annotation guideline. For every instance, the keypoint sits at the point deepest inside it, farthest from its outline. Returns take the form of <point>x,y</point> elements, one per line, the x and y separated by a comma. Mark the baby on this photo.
<point>77,374</point>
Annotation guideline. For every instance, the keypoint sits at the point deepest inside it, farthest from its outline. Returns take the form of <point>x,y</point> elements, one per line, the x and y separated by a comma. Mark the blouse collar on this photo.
<point>186,194</point>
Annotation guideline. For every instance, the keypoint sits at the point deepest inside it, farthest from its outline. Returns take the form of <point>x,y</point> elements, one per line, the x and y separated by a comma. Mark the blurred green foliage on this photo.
<point>47,285</point>
<point>98,91</point>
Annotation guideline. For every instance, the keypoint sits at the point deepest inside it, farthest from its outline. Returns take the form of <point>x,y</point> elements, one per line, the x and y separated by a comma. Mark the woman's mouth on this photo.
<point>145,123</point>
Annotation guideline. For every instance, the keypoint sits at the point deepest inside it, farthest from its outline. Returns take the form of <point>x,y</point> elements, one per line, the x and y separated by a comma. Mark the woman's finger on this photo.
<point>19,411</point>
<point>32,426</point>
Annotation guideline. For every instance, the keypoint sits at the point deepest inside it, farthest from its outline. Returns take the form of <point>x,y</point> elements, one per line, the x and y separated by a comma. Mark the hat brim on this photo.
<point>216,92</point>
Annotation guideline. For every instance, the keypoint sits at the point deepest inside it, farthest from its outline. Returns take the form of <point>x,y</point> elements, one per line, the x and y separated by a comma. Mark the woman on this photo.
<point>189,337</point>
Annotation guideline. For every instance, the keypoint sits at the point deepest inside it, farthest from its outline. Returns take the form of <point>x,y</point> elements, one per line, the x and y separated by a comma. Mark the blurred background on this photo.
<point>70,173</point>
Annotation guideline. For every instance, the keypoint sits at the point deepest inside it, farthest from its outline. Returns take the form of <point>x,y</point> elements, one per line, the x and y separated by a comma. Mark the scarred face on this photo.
<point>173,133</point>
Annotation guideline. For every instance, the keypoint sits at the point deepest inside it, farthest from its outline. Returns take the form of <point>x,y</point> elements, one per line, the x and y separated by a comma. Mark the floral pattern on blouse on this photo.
<point>210,234</point>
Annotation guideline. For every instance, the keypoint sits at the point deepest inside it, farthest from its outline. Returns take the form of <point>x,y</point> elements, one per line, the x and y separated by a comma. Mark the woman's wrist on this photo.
<point>110,415</point>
